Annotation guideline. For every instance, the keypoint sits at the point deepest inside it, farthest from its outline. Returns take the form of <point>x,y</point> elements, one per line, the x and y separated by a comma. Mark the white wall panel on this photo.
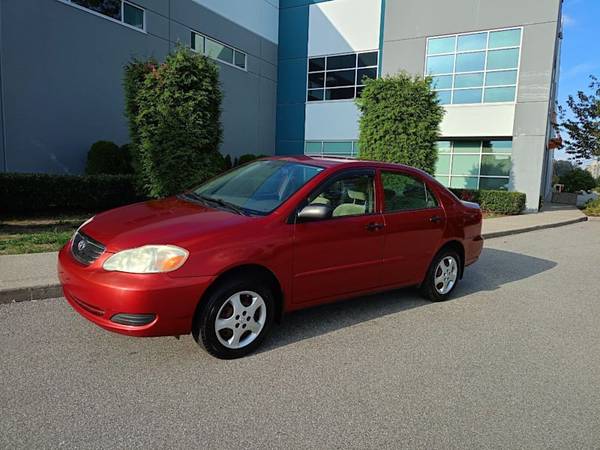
<point>343,26</point>
<point>331,121</point>
<point>259,16</point>
<point>478,120</point>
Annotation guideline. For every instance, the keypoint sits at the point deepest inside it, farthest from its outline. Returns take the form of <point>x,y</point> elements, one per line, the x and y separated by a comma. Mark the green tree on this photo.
<point>400,121</point>
<point>178,121</point>
<point>106,158</point>
<point>582,122</point>
<point>578,180</point>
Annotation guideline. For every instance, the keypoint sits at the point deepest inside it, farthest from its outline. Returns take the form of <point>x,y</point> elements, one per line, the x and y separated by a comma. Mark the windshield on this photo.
<point>259,187</point>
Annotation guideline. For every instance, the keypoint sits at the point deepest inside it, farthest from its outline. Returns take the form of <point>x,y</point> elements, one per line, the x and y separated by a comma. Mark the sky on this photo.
<point>580,49</point>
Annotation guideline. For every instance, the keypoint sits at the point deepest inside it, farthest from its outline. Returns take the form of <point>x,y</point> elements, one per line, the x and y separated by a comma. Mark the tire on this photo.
<point>245,308</point>
<point>438,284</point>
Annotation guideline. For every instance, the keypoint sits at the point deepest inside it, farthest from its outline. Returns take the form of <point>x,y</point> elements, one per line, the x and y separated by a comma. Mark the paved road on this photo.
<point>513,361</point>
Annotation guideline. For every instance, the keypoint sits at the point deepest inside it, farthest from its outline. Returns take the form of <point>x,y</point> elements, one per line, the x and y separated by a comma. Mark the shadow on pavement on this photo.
<point>494,269</point>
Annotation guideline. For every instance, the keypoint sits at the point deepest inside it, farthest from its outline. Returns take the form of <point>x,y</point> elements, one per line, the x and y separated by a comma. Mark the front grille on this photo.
<point>85,249</point>
<point>90,308</point>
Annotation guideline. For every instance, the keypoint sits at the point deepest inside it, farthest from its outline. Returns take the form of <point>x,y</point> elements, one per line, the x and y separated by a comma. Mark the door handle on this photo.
<point>435,219</point>
<point>374,226</point>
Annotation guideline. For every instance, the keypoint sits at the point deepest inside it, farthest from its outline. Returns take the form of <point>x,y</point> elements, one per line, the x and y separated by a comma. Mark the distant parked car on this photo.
<point>225,260</point>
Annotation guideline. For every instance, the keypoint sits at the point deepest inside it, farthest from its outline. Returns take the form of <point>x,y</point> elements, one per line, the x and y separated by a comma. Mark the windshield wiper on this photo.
<point>222,203</point>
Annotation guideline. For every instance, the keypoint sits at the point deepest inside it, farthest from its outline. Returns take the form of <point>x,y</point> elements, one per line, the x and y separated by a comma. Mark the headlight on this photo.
<point>147,259</point>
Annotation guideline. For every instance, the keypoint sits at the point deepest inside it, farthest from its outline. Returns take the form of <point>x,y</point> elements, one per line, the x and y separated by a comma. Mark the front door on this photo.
<point>340,255</point>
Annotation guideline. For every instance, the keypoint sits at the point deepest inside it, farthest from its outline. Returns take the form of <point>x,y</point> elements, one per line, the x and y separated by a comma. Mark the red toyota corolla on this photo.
<point>225,260</point>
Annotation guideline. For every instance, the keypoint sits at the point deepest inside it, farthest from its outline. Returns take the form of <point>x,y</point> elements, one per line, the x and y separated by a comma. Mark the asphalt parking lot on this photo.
<point>513,361</point>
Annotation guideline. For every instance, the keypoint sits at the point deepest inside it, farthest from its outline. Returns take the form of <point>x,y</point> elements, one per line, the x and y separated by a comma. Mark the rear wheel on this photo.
<point>236,317</point>
<point>442,276</point>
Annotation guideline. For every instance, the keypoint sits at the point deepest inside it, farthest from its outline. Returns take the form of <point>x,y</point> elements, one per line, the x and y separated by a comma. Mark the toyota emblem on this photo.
<point>81,245</point>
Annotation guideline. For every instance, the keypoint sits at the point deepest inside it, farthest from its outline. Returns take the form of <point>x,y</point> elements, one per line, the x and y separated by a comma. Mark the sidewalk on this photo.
<point>33,276</point>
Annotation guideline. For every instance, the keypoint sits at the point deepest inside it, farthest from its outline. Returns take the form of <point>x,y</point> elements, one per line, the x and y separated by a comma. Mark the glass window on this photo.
<point>313,148</point>
<point>259,187</point>
<point>351,196</point>
<point>339,93</point>
<point>463,182</point>
<point>444,146</point>
<point>470,62</point>
<point>498,165</point>
<point>467,146</point>
<point>440,64</point>
<point>494,184</point>
<point>316,95</point>
<point>337,148</point>
<point>444,97</point>
<point>497,146</point>
<point>505,38</point>
<point>468,80</point>
<point>499,94</point>
<point>443,164</point>
<point>403,192</point>
<point>467,42</point>
<point>342,75</point>
<point>474,164</point>
<point>341,62</point>
<point>504,77</point>
<point>218,51</point>
<point>134,16</point>
<point>441,45</point>
<point>503,59</point>
<point>316,64</point>
<point>316,80</point>
<point>465,165</point>
<point>467,96</point>
<point>341,78</point>
<point>197,42</point>
<point>361,74</point>
<point>110,8</point>
<point>240,59</point>
<point>367,59</point>
<point>442,82</point>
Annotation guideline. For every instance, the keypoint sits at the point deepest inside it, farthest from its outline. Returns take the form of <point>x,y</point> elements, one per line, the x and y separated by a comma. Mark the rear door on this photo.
<point>415,224</point>
<point>340,255</point>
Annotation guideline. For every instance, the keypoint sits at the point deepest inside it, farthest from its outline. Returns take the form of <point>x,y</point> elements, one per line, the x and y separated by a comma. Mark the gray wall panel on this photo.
<point>68,93</point>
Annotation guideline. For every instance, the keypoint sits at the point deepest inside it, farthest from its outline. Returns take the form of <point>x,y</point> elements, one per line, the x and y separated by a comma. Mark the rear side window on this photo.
<point>403,192</point>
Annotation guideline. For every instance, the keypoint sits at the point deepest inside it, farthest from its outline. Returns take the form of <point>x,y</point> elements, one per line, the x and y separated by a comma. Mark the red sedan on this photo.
<point>227,259</point>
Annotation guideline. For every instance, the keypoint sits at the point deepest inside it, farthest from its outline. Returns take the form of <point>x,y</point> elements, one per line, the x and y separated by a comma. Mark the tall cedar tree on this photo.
<point>582,124</point>
<point>178,121</point>
<point>400,121</point>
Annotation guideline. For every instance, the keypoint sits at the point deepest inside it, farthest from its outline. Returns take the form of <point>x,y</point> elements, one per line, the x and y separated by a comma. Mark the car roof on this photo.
<point>332,162</point>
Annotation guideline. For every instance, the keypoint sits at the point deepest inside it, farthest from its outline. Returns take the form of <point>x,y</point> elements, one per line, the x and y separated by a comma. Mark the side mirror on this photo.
<point>311,213</point>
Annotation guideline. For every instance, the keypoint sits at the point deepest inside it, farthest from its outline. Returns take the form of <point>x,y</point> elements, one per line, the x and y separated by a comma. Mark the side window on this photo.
<point>404,192</point>
<point>349,196</point>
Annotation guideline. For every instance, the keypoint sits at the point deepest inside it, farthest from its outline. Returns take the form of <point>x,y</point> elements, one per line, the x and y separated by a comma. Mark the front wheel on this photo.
<point>442,276</point>
<point>236,318</point>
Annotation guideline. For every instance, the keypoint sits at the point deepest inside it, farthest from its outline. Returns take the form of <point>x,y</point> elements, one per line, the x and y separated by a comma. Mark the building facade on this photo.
<point>290,71</point>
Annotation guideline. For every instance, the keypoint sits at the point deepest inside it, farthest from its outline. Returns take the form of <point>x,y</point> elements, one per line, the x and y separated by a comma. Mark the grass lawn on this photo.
<point>37,234</point>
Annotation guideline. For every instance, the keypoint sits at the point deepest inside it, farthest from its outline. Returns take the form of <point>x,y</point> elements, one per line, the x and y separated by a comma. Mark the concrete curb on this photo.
<point>534,228</point>
<point>29,293</point>
<point>43,292</point>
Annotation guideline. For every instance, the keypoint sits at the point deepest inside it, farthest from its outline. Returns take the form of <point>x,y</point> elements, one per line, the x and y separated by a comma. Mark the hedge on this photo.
<point>31,193</point>
<point>499,202</point>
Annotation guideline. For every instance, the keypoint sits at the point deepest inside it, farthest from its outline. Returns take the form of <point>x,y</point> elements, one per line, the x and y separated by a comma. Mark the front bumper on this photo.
<point>131,304</point>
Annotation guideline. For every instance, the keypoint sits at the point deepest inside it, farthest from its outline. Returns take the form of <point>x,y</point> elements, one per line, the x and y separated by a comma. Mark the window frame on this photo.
<point>233,49</point>
<point>325,71</point>
<point>112,19</point>
<point>481,154</point>
<point>428,190</point>
<point>323,154</point>
<point>484,71</point>
<point>346,173</point>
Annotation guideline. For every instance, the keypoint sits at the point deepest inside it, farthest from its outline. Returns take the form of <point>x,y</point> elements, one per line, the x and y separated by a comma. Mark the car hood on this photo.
<point>168,221</point>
